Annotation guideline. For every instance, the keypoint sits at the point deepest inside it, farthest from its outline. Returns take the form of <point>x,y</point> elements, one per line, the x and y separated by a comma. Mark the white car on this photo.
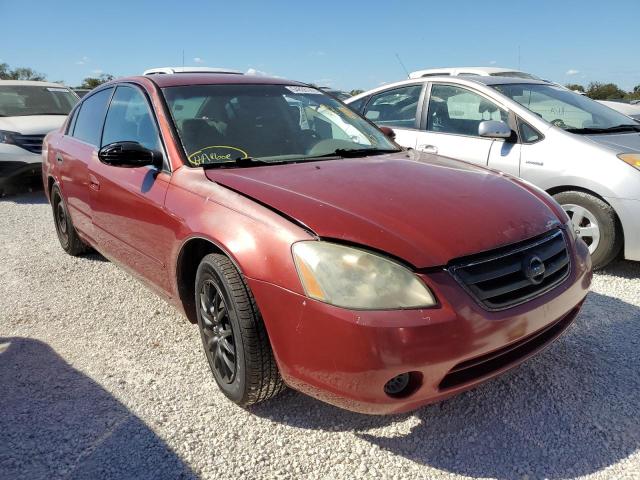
<point>472,71</point>
<point>627,109</point>
<point>584,154</point>
<point>28,111</point>
<point>170,70</point>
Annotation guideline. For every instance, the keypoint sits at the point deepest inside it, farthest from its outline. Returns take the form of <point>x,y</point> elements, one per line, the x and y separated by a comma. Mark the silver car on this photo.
<point>586,155</point>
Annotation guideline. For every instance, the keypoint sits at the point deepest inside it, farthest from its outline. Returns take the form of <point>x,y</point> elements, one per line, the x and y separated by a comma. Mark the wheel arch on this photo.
<point>192,251</point>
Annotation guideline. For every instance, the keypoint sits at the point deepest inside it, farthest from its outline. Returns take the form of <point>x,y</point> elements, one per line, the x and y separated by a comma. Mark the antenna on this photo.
<point>183,57</point>
<point>402,65</point>
<point>519,57</point>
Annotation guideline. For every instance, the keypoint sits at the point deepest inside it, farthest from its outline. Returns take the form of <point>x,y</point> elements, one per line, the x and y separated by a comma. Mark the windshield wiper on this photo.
<point>628,127</point>
<point>239,162</point>
<point>355,152</point>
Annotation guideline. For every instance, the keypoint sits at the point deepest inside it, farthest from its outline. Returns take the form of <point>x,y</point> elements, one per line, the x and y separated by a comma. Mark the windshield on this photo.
<point>563,108</point>
<point>219,124</point>
<point>23,100</point>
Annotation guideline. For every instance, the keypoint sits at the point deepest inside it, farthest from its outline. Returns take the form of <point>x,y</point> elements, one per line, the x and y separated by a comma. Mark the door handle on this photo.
<point>94,183</point>
<point>59,158</point>
<point>428,148</point>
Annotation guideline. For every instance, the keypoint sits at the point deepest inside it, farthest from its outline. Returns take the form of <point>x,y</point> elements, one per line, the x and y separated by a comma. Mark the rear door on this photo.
<point>450,122</point>
<point>75,151</point>
<point>397,108</point>
<point>128,203</point>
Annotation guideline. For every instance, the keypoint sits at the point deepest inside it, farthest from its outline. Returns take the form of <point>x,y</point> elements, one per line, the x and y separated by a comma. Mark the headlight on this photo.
<point>354,278</point>
<point>7,137</point>
<point>632,159</point>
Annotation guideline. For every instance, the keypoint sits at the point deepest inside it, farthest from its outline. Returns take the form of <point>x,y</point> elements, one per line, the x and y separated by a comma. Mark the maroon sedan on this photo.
<point>308,247</point>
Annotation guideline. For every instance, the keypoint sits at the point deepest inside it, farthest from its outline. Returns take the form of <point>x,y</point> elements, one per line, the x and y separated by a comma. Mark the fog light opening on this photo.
<point>403,385</point>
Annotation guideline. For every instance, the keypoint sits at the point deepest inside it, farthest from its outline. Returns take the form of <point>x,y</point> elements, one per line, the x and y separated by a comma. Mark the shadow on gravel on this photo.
<point>56,422</point>
<point>26,198</point>
<point>570,411</point>
<point>622,268</point>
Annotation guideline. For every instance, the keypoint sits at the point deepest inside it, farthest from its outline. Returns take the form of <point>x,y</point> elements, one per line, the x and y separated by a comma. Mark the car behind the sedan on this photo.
<point>309,248</point>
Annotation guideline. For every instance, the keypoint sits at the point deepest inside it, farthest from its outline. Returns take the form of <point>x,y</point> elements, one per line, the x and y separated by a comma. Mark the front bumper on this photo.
<point>345,357</point>
<point>628,212</point>
<point>17,161</point>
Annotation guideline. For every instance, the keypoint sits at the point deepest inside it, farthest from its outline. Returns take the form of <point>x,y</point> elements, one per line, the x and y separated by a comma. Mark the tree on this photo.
<point>93,82</point>
<point>575,86</point>
<point>355,92</point>
<point>605,91</point>
<point>20,73</point>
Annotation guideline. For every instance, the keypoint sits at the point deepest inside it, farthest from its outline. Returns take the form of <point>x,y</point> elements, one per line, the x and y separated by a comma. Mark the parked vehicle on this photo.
<point>473,71</point>
<point>584,154</point>
<point>339,94</point>
<point>28,111</point>
<point>309,248</point>
<point>81,92</point>
<point>170,70</point>
<point>628,109</point>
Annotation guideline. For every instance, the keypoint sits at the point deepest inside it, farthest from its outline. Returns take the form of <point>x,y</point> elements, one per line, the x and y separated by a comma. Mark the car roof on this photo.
<point>185,79</point>
<point>468,81</point>
<point>478,70</point>
<point>31,83</point>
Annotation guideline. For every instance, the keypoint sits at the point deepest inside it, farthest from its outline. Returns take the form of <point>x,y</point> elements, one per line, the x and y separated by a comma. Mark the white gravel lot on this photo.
<point>99,378</point>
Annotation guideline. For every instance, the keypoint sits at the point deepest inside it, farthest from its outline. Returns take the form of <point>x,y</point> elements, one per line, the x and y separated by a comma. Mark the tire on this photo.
<point>594,215</point>
<point>233,333</point>
<point>67,234</point>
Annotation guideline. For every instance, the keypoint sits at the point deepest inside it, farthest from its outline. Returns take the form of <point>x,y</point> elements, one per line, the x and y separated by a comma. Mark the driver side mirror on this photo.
<point>388,132</point>
<point>494,129</point>
<point>129,154</point>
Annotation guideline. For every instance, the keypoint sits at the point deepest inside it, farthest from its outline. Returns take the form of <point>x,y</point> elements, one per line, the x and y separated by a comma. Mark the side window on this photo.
<point>358,104</point>
<point>130,119</point>
<point>88,124</point>
<point>528,134</point>
<point>459,111</point>
<point>395,108</point>
<point>72,122</point>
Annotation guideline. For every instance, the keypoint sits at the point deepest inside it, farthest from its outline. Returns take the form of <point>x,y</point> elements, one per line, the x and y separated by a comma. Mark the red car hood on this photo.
<point>424,213</point>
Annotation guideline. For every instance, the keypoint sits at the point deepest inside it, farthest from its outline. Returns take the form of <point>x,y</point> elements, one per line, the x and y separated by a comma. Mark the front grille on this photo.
<point>513,275</point>
<point>33,143</point>
<point>490,363</point>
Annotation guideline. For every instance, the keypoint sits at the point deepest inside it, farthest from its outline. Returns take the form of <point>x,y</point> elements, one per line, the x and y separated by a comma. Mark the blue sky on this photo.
<point>343,44</point>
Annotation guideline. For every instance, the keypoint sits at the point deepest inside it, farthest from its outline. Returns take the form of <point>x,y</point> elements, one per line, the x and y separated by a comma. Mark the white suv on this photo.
<point>28,111</point>
<point>473,71</point>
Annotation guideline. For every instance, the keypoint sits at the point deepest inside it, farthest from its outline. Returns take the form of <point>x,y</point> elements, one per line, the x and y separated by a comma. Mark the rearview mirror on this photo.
<point>494,129</point>
<point>388,132</point>
<point>128,154</point>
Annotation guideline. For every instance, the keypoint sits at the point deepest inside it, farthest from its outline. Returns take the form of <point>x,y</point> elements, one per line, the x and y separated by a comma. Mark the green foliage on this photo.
<point>19,73</point>
<point>93,82</point>
<point>575,86</point>
<point>605,91</point>
<point>355,92</point>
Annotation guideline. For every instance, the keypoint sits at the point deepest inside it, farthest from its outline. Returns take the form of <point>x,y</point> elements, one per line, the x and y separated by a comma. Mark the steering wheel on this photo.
<point>558,122</point>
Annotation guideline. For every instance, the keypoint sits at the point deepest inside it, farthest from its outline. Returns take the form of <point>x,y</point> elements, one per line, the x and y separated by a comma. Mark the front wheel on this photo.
<point>233,334</point>
<point>596,223</point>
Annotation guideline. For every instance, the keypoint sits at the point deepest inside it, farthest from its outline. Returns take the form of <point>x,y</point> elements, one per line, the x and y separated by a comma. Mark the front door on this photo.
<point>128,203</point>
<point>452,116</point>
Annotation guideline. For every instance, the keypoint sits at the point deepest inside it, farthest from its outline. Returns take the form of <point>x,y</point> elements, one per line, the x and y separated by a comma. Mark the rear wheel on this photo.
<point>233,334</point>
<point>595,222</point>
<point>67,235</point>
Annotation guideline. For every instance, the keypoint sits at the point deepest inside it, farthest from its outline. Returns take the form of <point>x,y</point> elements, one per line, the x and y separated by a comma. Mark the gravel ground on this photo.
<point>99,378</point>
